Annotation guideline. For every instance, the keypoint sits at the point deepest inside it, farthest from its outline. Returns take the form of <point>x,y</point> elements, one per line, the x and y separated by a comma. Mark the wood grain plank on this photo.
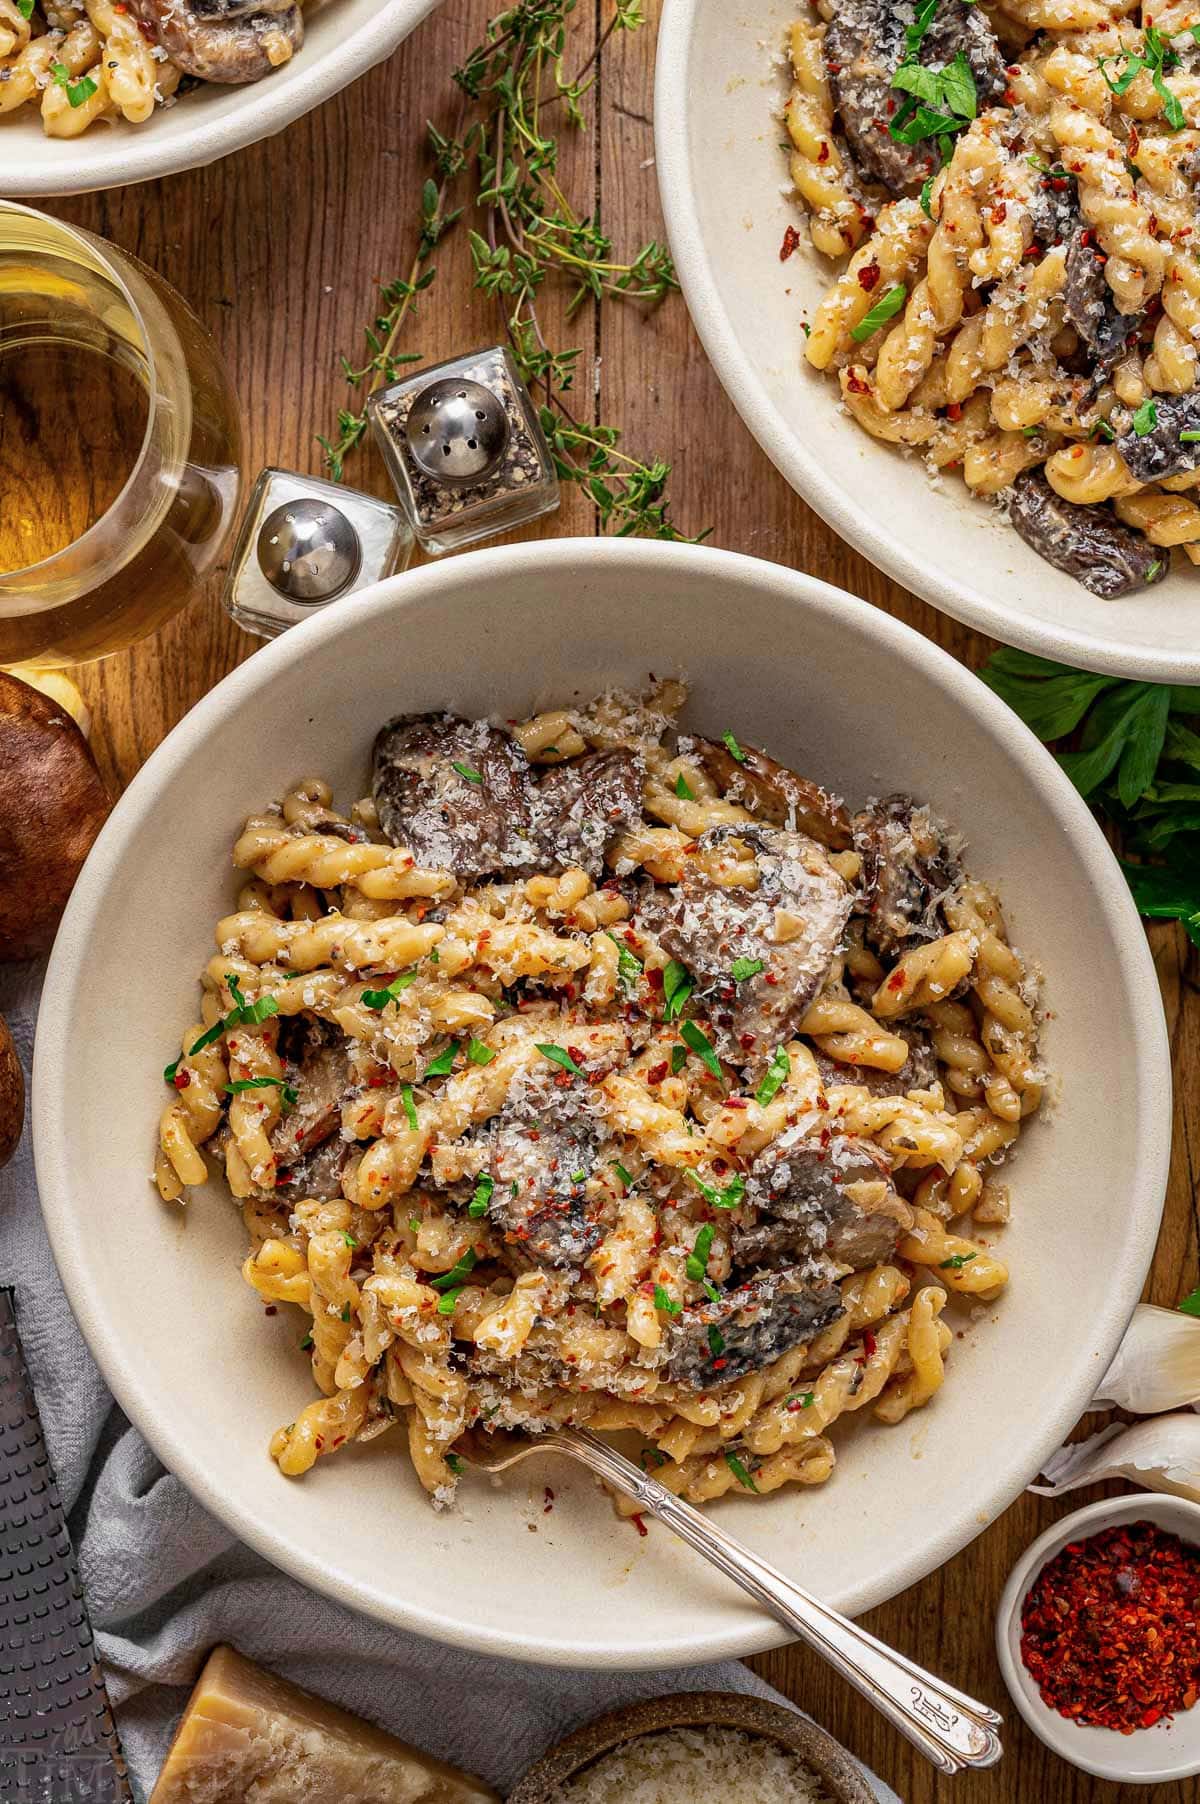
<point>278,250</point>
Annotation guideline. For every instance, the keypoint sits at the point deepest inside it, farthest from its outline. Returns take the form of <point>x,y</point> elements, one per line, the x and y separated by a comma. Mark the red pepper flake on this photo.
<point>856,385</point>
<point>869,1343</point>
<point>771,977</point>
<point>656,1073</point>
<point>182,1078</point>
<point>999,213</point>
<point>791,238</point>
<point>639,1524</point>
<point>1109,1628</point>
<point>548,1501</point>
<point>868,276</point>
<point>896,980</point>
<point>270,1309</point>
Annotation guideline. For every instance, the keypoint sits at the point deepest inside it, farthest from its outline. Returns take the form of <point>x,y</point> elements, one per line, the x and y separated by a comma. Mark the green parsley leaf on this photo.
<point>742,968</point>
<point>455,1464</point>
<point>739,1472</point>
<point>449,1301</point>
<point>682,790</point>
<point>465,770</point>
<point>579,1177</point>
<point>76,91</point>
<point>678,1059</point>
<point>444,1061</point>
<point>478,1053</point>
<point>702,1046</point>
<point>349,1240</point>
<point>457,1272</point>
<point>678,984</point>
<point>414,1222</point>
<point>559,1056</point>
<point>716,1342</point>
<point>729,1198</point>
<point>796,1401</point>
<point>1146,418</point>
<point>1191,1303</point>
<point>665,1302</point>
<point>629,967</point>
<point>478,1205</point>
<point>956,1262</point>
<point>926,193</point>
<point>710,1290</point>
<point>880,313</point>
<point>1189,438</point>
<point>732,747</point>
<point>25,8</point>
<point>379,999</point>
<point>410,1107</point>
<point>306,1343</point>
<point>1154,569</point>
<point>697,1260</point>
<point>776,1074</point>
<point>345,1312</point>
<point>624,1176</point>
<point>290,1094</point>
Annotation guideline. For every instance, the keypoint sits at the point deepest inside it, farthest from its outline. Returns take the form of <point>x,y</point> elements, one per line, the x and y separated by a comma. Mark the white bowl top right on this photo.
<point>1168,1750</point>
<point>728,201</point>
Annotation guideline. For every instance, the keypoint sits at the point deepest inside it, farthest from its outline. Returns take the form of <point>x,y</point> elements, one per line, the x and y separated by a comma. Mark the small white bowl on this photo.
<point>1148,1756</point>
<point>343,39</point>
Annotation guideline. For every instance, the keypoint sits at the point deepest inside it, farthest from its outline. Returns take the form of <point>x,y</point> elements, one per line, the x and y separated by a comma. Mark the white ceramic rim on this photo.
<point>675,114</point>
<point>1083,1747</point>
<point>123,160</point>
<point>54,1104</point>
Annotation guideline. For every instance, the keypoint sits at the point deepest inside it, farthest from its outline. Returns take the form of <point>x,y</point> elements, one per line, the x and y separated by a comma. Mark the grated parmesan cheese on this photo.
<point>682,1765</point>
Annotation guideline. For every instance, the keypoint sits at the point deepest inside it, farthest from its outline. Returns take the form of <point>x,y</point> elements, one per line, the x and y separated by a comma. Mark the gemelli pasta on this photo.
<point>591,1071</point>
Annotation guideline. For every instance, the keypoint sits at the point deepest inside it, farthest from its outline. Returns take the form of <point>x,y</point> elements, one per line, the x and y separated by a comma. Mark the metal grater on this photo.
<point>57,1740</point>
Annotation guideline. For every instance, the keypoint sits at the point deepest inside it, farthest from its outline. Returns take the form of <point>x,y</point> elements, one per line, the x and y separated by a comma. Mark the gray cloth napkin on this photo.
<point>165,1581</point>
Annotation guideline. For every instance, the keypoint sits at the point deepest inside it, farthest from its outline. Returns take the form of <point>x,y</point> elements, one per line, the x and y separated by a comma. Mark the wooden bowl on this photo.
<point>839,1774</point>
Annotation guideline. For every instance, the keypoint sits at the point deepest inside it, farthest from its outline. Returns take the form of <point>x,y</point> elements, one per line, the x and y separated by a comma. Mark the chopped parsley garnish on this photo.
<point>478,1053</point>
<point>444,1061</point>
<point>777,1073</point>
<point>414,1222</point>
<point>629,968</point>
<point>306,1343</point>
<point>289,1092</point>
<point>458,1272</point>
<point>1189,438</point>
<point>1153,571</point>
<point>410,1107</point>
<point>926,194</point>
<point>663,1301</point>
<point>1191,1303</point>
<point>880,313</point>
<point>742,968</point>
<point>678,984</point>
<point>624,1176</point>
<point>732,747</point>
<point>25,8</point>
<point>448,1302</point>
<point>956,1262</point>
<point>796,1401</point>
<point>1103,430</point>
<point>682,790</point>
<point>729,1198</point>
<point>697,1261</point>
<point>465,770</point>
<point>702,1046</point>
<point>1157,55</point>
<point>345,1312</point>
<point>454,1461</point>
<point>739,1472</point>
<point>1145,419</point>
<point>678,1059</point>
<point>938,102</point>
<point>76,91</point>
<point>478,1205</point>
<point>349,1240</point>
<point>378,999</point>
<point>242,1014</point>
<point>579,1177</point>
<point>716,1342</point>
<point>558,1055</point>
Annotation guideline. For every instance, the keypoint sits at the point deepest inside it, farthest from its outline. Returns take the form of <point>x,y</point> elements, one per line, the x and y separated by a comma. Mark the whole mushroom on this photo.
<point>227,41</point>
<point>54,803</point>
<point>12,1095</point>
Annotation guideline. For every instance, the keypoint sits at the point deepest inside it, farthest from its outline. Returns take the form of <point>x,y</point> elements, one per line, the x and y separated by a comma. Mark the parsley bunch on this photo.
<point>1134,756</point>
<point>499,168</point>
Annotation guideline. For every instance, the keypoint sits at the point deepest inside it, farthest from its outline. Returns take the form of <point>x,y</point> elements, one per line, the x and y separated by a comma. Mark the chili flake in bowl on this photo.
<point>1098,1635</point>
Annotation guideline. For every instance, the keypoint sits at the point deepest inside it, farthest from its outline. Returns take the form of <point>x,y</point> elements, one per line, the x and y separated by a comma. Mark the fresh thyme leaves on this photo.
<point>739,1472</point>
<point>775,1075</point>
<point>558,1056</point>
<point>663,1300</point>
<point>678,984</point>
<point>1135,756</point>
<point>702,1046</point>
<point>477,1208</point>
<point>880,313</point>
<point>379,999</point>
<point>499,167</point>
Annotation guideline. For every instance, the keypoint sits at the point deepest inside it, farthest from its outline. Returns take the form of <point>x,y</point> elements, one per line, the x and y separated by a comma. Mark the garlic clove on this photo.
<point>1156,1366</point>
<point>1159,1455</point>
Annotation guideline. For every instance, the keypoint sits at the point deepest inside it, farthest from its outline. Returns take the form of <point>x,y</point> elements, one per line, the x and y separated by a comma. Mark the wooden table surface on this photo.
<point>278,250</point>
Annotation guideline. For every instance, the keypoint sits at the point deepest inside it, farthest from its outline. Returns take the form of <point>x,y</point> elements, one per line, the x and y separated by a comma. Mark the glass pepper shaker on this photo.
<point>305,542</point>
<point>464,448</point>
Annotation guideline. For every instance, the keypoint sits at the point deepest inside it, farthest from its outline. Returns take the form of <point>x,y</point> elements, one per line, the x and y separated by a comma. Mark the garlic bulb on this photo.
<point>1157,1365</point>
<point>1162,1455</point>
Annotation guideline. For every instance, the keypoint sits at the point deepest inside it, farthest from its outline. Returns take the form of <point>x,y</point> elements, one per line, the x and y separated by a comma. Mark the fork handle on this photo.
<point>951,1729</point>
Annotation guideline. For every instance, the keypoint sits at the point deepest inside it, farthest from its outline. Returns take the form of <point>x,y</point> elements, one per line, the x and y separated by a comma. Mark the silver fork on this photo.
<point>950,1729</point>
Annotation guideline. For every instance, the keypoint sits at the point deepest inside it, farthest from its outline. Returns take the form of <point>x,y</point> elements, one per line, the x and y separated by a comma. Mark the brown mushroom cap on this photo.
<point>12,1096</point>
<point>53,806</point>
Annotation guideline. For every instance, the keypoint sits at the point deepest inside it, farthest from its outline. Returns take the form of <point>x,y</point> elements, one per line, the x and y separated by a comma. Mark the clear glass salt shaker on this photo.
<point>464,448</point>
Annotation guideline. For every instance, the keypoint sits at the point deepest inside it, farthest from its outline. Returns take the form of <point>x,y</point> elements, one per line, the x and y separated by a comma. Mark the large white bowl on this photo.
<point>343,39</point>
<point>727,200</point>
<point>829,684</point>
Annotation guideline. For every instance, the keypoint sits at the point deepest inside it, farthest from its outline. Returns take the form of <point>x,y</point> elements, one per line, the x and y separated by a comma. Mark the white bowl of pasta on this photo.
<point>88,99</point>
<point>532,1168</point>
<point>973,422</point>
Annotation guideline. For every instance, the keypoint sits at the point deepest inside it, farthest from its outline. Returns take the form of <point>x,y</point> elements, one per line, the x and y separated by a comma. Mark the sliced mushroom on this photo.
<point>580,807</point>
<point>316,1175</point>
<point>1086,542</point>
<point>750,1327</point>
<point>12,1095</point>
<point>1161,451</point>
<point>790,924</point>
<point>316,1065</point>
<point>456,793</point>
<point>54,805</point>
<point>864,46</point>
<point>1089,305</point>
<point>773,791</point>
<point>909,868</point>
<point>919,1071</point>
<point>226,41</point>
<point>827,1195</point>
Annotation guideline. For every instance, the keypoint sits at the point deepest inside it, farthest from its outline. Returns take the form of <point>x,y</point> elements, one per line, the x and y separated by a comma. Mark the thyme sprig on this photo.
<point>500,168</point>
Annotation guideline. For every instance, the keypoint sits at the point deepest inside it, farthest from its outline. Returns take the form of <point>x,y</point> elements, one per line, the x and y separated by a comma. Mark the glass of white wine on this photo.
<point>120,469</point>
